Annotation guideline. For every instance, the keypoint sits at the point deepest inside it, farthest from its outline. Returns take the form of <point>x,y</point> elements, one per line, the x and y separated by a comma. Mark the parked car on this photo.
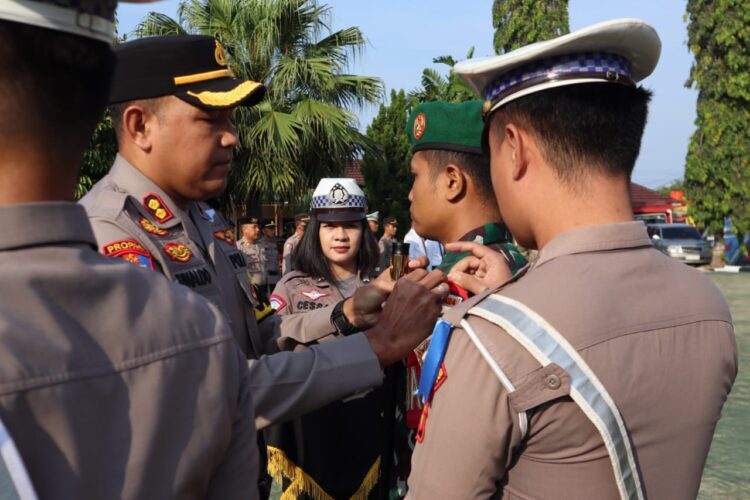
<point>681,241</point>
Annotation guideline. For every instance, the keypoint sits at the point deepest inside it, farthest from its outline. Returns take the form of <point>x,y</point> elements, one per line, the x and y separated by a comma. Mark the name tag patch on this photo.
<point>194,278</point>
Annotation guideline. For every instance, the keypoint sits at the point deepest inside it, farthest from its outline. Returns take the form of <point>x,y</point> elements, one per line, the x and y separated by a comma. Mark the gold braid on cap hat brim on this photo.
<point>233,96</point>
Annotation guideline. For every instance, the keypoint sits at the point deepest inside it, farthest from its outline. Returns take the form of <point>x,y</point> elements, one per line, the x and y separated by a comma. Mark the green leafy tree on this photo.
<point>386,169</point>
<point>436,87</point>
<point>521,22</point>
<point>98,157</point>
<point>305,128</point>
<point>717,171</point>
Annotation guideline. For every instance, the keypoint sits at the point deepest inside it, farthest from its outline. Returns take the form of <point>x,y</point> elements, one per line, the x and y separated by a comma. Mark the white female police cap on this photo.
<point>90,18</point>
<point>338,200</point>
<point>621,51</point>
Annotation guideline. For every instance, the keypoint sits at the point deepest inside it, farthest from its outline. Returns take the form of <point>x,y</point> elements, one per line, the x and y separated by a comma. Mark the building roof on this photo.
<point>641,196</point>
<point>353,171</point>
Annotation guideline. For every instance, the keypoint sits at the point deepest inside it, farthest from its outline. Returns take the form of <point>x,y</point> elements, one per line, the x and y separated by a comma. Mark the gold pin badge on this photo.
<point>221,58</point>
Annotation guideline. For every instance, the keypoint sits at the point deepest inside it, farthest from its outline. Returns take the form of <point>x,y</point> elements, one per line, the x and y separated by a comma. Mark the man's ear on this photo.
<point>516,140</point>
<point>138,123</point>
<point>454,182</point>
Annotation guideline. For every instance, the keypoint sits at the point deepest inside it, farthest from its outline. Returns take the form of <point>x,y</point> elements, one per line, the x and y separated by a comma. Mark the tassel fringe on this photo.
<point>280,467</point>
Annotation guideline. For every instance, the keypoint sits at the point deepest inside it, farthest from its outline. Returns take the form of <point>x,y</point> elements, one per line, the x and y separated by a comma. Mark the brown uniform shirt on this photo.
<point>114,382</point>
<point>196,247</point>
<point>657,334</point>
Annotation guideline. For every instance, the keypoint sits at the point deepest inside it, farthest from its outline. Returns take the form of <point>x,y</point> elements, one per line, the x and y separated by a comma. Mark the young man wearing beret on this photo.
<point>593,373</point>
<point>451,195</point>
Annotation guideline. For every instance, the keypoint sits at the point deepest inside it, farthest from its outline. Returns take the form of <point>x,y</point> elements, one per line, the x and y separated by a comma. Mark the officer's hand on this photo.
<point>484,269</point>
<point>364,307</point>
<point>409,315</point>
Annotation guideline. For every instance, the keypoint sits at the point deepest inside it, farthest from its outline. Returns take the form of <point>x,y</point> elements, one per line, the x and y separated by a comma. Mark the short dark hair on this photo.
<point>582,127</point>
<point>308,255</point>
<point>53,84</point>
<point>477,167</point>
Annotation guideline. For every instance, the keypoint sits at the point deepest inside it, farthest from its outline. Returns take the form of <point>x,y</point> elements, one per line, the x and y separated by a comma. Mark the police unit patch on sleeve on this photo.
<point>178,252</point>
<point>152,228</point>
<point>130,251</point>
<point>156,207</point>
<point>277,302</point>
<point>226,235</point>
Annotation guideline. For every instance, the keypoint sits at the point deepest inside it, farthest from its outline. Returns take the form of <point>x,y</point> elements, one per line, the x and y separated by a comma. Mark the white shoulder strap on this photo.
<point>548,346</point>
<point>14,480</point>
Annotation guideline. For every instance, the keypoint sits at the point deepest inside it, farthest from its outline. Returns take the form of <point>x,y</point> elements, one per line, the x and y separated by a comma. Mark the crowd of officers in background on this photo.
<point>259,243</point>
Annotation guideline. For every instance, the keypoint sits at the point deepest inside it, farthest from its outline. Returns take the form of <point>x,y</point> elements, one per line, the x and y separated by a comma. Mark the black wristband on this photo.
<point>339,321</point>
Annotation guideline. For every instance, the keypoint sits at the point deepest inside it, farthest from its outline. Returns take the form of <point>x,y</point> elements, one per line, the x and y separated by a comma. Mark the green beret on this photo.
<point>446,125</point>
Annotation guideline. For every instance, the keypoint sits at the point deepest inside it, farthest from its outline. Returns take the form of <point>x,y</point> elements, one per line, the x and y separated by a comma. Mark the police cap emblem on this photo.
<point>338,194</point>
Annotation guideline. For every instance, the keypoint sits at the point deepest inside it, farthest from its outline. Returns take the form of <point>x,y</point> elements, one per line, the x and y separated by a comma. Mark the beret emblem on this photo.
<point>420,122</point>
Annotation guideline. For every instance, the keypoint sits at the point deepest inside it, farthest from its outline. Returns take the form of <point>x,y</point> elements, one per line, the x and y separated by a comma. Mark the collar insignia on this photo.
<point>178,252</point>
<point>226,235</point>
<point>314,294</point>
<point>156,207</point>
<point>152,228</point>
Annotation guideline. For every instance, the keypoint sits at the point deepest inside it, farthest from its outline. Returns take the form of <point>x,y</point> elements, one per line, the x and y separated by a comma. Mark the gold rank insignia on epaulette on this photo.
<point>226,235</point>
<point>152,228</point>
<point>156,207</point>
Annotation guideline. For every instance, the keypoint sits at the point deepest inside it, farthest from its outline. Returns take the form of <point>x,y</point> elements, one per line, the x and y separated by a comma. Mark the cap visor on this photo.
<point>222,93</point>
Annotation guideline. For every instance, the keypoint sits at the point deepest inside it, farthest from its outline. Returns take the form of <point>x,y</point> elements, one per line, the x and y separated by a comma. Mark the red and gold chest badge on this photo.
<point>156,207</point>
<point>226,235</point>
<point>178,252</point>
<point>152,228</point>
<point>442,376</point>
<point>130,251</point>
<point>420,123</point>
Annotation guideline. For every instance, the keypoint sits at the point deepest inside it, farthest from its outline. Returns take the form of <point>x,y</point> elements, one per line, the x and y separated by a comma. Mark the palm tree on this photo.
<point>305,128</point>
<point>436,87</point>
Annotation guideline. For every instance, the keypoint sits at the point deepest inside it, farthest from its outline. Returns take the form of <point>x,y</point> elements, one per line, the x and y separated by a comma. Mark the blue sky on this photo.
<point>405,35</point>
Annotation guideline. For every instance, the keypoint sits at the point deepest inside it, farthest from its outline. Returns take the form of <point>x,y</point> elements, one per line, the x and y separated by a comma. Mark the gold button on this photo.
<point>552,381</point>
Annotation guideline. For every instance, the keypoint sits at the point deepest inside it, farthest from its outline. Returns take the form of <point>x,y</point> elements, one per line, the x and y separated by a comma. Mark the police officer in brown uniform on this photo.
<point>173,98</point>
<point>336,256</point>
<point>300,223</point>
<point>105,370</point>
<point>593,374</point>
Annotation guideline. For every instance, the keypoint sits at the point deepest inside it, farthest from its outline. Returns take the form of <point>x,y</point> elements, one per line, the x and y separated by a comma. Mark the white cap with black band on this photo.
<point>84,18</point>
